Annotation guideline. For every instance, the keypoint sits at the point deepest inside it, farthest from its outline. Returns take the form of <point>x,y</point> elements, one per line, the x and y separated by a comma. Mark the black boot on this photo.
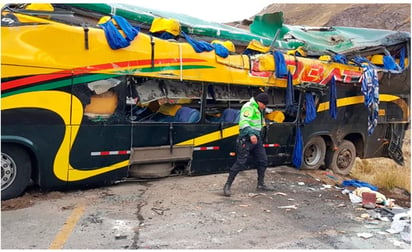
<point>229,181</point>
<point>226,190</point>
<point>263,187</point>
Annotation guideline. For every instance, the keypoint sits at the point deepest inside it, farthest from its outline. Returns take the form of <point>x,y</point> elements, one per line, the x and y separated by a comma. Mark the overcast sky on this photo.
<point>211,10</point>
<point>229,10</point>
<point>218,10</point>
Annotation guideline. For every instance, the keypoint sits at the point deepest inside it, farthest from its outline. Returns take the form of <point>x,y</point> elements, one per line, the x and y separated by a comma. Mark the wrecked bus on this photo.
<point>93,94</point>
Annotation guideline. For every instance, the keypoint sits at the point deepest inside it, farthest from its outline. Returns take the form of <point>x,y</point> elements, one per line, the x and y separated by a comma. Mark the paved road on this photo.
<point>191,212</point>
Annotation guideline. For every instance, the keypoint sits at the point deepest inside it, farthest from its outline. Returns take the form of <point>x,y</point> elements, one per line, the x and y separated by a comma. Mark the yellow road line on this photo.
<point>68,227</point>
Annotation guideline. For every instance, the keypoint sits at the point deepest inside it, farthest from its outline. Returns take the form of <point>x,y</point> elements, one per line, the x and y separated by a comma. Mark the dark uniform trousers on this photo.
<point>246,149</point>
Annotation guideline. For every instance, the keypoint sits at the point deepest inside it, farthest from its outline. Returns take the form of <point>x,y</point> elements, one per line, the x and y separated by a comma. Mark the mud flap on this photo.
<point>396,134</point>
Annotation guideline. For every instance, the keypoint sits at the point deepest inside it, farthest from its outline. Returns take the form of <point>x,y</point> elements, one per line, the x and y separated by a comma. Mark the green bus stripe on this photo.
<point>95,77</point>
<point>62,83</point>
<point>164,68</point>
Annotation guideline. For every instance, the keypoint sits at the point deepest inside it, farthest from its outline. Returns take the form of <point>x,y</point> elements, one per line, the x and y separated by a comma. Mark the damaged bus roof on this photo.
<point>266,28</point>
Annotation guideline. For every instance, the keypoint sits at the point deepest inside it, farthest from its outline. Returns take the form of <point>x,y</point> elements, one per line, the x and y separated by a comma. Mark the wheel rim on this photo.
<point>344,159</point>
<point>8,171</point>
<point>312,155</point>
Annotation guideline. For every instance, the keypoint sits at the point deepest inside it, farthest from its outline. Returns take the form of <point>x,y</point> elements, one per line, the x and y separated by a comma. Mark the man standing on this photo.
<point>249,142</point>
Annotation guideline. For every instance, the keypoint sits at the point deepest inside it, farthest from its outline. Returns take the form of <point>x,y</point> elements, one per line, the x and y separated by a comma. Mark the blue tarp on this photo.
<point>280,65</point>
<point>297,152</point>
<point>310,108</point>
<point>114,37</point>
<point>333,109</point>
<point>357,183</point>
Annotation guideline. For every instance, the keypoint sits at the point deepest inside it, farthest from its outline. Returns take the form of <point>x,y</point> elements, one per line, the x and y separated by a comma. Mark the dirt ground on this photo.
<point>306,211</point>
<point>401,196</point>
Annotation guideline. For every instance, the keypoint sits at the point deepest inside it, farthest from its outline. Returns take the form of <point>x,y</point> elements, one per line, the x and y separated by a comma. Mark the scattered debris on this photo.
<point>159,211</point>
<point>120,237</point>
<point>365,235</point>
<point>280,193</point>
<point>330,176</point>
<point>288,207</point>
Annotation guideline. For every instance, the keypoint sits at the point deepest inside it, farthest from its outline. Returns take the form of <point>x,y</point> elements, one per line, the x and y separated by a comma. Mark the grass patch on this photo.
<point>383,173</point>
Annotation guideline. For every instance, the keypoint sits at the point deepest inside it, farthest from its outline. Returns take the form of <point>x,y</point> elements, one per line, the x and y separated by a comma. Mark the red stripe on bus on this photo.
<point>207,148</point>
<point>271,145</point>
<point>81,70</point>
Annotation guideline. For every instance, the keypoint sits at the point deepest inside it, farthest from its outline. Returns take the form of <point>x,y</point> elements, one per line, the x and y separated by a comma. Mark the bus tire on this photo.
<point>342,160</point>
<point>15,171</point>
<point>314,153</point>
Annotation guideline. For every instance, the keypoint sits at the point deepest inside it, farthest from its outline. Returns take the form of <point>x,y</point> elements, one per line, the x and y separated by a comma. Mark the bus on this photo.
<point>96,94</point>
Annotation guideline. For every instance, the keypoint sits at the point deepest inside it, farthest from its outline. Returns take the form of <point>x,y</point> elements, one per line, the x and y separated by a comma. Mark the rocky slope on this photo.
<point>378,16</point>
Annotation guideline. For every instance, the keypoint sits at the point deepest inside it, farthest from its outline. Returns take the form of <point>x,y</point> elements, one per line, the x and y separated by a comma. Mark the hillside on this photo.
<point>378,16</point>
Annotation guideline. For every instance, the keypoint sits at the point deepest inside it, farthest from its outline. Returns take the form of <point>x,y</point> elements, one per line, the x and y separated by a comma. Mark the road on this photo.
<point>304,212</point>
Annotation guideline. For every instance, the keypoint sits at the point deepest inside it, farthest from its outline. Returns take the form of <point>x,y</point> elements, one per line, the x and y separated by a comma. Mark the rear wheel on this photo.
<point>15,171</point>
<point>314,153</point>
<point>342,160</point>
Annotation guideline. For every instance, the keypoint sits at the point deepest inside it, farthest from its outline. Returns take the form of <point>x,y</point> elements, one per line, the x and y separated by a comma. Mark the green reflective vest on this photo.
<point>250,122</point>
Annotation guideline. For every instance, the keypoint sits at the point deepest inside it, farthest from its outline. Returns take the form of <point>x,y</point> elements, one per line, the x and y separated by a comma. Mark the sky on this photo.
<point>228,10</point>
<point>211,10</point>
<point>220,11</point>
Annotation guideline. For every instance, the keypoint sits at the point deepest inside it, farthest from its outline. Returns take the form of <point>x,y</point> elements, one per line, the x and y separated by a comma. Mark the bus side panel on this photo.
<point>280,140</point>
<point>101,134</point>
<point>44,130</point>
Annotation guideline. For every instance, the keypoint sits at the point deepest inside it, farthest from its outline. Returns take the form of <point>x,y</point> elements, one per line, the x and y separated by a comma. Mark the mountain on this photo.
<point>377,16</point>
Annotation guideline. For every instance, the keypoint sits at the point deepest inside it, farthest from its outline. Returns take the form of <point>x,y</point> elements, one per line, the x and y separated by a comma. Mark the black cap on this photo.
<point>263,98</point>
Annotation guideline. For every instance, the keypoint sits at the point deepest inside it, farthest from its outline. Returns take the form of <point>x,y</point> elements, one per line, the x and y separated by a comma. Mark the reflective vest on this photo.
<point>250,122</point>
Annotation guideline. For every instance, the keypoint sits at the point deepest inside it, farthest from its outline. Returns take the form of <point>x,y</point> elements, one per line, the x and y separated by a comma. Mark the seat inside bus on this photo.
<point>184,114</point>
<point>231,115</point>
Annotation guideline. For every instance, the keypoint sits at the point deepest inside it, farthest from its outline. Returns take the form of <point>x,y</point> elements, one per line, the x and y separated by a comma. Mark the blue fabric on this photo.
<point>164,35</point>
<point>333,108</point>
<point>389,63</point>
<point>357,183</point>
<point>370,91</point>
<point>249,51</point>
<point>221,50</point>
<point>310,108</point>
<point>185,114</point>
<point>289,99</point>
<point>402,58</point>
<point>231,115</point>
<point>114,37</point>
<point>198,45</point>
<point>280,64</point>
<point>360,60</point>
<point>297,152</point>
<point>340,58</point>
<point>130,31</point>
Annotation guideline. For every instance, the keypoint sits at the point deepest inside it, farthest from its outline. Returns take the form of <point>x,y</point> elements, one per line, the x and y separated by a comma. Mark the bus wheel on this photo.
<point>314,153</point>
<point>15,171</point>
<point>342,160</point>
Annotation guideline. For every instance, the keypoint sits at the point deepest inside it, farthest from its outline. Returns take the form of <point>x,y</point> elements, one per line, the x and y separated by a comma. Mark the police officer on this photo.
<point>249,142</point>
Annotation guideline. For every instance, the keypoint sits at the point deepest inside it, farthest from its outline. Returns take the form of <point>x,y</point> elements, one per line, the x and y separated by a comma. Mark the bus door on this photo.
<point>165,121</point>
<point>100,129</point>
<point>280,130</point>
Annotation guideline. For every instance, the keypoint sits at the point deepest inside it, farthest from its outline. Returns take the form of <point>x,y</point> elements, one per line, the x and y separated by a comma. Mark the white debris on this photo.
<point>365,235</point>
<point>280,193</point>
<point>288,207</point>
